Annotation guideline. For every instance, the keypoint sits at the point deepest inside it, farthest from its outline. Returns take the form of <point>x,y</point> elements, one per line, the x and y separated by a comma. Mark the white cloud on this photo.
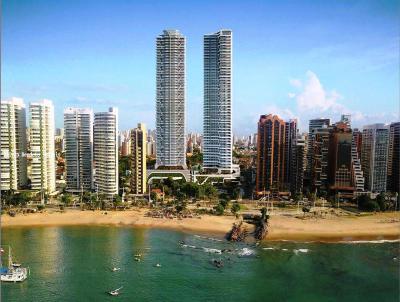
<point>313,96</point>
<point>295,82</point>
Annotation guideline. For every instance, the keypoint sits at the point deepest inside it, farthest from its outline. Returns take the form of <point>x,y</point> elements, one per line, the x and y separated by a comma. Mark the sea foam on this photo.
<point>245,252</point>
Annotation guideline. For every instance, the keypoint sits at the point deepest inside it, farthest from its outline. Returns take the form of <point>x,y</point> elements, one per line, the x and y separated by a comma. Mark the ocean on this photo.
<point>74,264</point>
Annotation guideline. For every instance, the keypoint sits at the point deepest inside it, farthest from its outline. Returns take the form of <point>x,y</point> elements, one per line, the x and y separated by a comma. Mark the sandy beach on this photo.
<point>346,228</point>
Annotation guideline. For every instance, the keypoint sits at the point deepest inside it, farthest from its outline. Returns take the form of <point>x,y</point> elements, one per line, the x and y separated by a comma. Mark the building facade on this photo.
<point>105,155</point>
<point>13,144</point>
<point>217,156</point>
<point>319,146</point>
<point>270,154</point>
<point>138,159</point>
<point>78,136</point>
<point>314,124</point>
<point>340,159</point>
<point>374,157</point>
<point>394,158</point>
<point>290,141</point>
<point>43,171</point>
<point>170,100</point>
<point>358,175</point>
<point>298,164</point>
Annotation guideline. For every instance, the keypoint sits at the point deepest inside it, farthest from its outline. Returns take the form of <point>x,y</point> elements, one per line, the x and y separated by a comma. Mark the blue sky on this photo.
<point>300,59</point>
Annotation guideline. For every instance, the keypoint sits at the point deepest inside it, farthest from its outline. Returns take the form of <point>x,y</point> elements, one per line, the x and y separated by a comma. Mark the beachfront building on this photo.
<point>313,124</point>
<point>78,129</point>
<point>138,159</point>
<point>13,166</point>
<point>374,157</point>
<point>105,152</point>
<point>290,141</point>
<point>320,158</point>
<point>217,153</point>
<point>298,164</point>
<point>340,174</point>
<point>43,171</point>
<point>358,175</point>
<point>394,158</point>
<point>270,154</point>
<point>170,100</point>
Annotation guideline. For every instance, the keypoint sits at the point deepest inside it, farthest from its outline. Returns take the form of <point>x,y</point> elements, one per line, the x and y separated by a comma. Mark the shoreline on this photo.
<point>374,227</point>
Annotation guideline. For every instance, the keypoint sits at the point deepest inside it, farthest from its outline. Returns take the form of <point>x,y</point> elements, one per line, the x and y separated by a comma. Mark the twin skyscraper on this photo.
<point>170,99</point>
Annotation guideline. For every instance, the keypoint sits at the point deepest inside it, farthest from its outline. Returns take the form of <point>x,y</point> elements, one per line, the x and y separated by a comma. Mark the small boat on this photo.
<point>137,259</point>
<point>115,292</point>
<point>14,272</point>
<point>114,269</point>
<point>138,255</point>
<point>158,265</point>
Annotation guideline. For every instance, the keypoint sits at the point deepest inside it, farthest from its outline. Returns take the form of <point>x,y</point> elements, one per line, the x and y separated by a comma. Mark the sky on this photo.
<point>297,59</point>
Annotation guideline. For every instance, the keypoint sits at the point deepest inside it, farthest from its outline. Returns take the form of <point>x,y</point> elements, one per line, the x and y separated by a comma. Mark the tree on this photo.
<point>323,194</point>
<point>190,189</point>
<point>67,199</point>
<point>297,197</point>
<point>21,198</point>
<point>235,208</point>
<point>87,197</point>
<point>153,196</point>
<point>381,201</point>
<point>210,191</point>
<point>117,200</point>
<point>366,204</point>
<point>180,207</point>
<point>219,209</point>
<point>224,203</point>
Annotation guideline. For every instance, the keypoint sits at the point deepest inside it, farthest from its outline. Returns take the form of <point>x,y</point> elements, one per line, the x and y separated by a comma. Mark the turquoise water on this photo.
<point>73,264</point>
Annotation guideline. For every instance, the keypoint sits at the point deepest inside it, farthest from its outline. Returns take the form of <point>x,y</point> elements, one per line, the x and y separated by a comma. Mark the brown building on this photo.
<point>138,159</point>
<point>340,176</point>
<point>290,140</point>
<point>270,154</point>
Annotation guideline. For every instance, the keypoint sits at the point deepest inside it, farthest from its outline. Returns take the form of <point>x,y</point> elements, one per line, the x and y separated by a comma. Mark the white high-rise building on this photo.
<point>374,156</point>
<point>13,168</point>
<point>218,101</point>
<point>78,129</point>
<point>171,85</point>
<point>105,152</point>
<point>43,170</point>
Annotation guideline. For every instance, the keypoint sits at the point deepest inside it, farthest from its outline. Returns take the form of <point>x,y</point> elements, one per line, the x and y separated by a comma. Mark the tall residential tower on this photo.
<point>218,101</point>
<point>13,145</point>
<point>78,125</point>
<point>374,156</point>
<point>105,155</point>
<point>170,100</point>
<point>43,170</point>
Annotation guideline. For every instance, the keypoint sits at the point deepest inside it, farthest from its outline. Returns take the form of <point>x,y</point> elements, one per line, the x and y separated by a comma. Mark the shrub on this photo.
<point>235,208</point>
<point>219,209</point>
<point>366,204</point>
